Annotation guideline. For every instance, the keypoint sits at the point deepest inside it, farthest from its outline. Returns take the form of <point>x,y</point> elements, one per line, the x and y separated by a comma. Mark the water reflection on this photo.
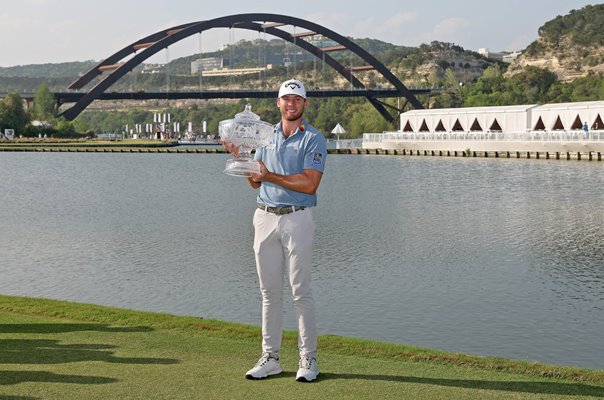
<point>493,257</point>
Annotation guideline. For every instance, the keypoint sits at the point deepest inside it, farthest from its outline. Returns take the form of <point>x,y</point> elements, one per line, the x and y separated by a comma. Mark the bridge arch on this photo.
<point>260,22</point>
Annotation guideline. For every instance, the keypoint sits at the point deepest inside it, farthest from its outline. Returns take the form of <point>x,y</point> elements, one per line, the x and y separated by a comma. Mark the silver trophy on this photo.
<point>247,132</point>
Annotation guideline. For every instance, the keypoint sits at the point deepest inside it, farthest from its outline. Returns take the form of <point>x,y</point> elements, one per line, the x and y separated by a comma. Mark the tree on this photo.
<point>365,119</point>
<point>531,85</point>
<point>44,104</point>
<point>487,90</point>
<point>453,96</point>
<point>65,128</point>
<point>13,114</point>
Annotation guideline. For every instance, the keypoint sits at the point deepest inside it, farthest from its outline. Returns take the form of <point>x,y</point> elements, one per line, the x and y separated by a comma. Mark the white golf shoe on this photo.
<point>265,367</point>
<point>308,369</point>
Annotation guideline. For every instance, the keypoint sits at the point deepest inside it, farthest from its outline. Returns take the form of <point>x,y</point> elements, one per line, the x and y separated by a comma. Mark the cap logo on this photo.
<point>292,85</point>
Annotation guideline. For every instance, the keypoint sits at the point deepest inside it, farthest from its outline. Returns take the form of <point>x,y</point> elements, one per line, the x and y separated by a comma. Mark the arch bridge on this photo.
<point>260,22</point>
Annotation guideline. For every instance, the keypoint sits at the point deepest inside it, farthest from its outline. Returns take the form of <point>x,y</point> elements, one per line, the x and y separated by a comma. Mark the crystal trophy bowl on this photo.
<point>247,132</point>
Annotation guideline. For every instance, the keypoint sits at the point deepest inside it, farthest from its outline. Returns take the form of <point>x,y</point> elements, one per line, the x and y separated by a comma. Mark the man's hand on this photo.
<point>262,175</point>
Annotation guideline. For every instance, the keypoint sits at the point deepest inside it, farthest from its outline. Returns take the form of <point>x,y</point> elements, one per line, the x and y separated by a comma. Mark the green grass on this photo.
<point>60,350</point>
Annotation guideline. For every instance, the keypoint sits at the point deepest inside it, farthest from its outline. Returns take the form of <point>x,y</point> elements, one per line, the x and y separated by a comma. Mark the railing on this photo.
<point>572,136</point>
<point>348,143</point>
<point>373,137</point>
<point>529,136</point>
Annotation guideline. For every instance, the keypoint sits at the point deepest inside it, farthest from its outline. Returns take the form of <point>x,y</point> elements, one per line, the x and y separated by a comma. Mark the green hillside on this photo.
<point>583,27</point>
<point>52,71</point>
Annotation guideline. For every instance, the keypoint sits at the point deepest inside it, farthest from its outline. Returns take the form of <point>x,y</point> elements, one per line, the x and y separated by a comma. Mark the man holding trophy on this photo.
<point>290,169</point>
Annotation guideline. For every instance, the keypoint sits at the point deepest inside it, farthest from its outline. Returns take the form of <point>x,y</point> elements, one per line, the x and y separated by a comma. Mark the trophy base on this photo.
<point>241,167</point>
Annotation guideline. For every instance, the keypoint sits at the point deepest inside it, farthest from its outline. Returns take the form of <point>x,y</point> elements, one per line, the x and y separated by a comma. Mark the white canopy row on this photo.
<point>506,119</point>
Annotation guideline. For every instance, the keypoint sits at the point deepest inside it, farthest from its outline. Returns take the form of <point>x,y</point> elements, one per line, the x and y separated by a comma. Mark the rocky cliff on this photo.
<point>570,46</point>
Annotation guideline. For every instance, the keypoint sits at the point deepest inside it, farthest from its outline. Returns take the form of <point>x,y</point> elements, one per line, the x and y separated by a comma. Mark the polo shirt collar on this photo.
<point>300,130</point>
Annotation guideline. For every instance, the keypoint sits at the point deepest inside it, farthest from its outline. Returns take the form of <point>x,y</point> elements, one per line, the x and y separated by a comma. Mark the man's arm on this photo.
<point>306,182</point>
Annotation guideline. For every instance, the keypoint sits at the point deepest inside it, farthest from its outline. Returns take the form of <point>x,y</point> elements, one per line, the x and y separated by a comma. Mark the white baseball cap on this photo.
<point>292,86</point>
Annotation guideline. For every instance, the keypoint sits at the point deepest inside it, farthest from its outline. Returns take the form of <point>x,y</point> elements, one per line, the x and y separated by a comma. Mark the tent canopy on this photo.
<point>338,129</point>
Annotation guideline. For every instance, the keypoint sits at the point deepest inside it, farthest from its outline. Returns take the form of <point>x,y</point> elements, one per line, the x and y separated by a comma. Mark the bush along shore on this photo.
<point>61,350</point>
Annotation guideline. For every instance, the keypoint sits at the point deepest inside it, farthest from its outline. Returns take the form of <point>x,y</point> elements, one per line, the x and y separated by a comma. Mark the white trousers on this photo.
<point>283,244</point>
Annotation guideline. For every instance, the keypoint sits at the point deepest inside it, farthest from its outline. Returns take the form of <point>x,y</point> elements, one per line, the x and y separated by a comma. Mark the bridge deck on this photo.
<point>72,97</point>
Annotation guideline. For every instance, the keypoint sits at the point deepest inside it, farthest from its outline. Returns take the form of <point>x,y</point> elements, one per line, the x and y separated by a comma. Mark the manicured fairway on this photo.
<point>59,350</point>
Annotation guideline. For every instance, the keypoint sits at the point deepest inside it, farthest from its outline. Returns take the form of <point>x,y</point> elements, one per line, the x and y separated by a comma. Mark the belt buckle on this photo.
<point>283,210</point>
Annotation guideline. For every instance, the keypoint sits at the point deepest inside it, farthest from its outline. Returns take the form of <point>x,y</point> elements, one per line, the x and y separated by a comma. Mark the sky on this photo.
<point>54,31</point>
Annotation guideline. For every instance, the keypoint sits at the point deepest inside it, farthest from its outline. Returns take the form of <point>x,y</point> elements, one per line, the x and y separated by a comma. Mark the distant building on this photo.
<point>235,71</point>
<point>483,51</point>
<point>153,68</point>
<point>509,57</point>
<point>505,56</point>
<point>206,64</point>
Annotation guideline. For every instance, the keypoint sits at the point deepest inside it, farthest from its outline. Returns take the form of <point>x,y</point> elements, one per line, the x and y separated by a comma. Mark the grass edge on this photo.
<point>342,345</point>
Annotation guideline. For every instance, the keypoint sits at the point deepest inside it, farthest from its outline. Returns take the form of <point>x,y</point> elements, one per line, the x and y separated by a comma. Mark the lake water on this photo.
<point>483,256</point>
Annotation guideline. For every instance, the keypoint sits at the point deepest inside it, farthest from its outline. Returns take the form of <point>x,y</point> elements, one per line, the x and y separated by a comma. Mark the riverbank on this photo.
<point>587,156</point>
<point>60,350</point>
<point>417,149</point>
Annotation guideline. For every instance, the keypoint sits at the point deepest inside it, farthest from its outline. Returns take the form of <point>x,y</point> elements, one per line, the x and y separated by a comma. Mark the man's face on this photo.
<point>291,106</point>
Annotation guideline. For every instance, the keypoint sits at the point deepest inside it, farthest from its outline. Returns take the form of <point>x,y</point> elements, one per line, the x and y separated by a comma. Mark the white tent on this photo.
<point>338,130</point>
<point>507,119</point>
<point>468,119</point>
<point>567,116</point>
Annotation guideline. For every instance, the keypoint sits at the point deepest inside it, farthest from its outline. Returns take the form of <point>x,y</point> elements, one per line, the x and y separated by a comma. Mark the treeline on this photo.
<point>357,115</point>
<point>242,54</point>
<point>531,86</point>
<point>41,119</point>
<point>55,70</point>
<point>29,84</point>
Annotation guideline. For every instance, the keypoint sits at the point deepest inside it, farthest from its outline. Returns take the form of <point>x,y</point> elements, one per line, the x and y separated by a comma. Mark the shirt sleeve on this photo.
<point>316,153</point>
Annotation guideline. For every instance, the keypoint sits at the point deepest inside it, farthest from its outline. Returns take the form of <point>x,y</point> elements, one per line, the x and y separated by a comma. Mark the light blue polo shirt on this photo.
<point>304,149</point>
